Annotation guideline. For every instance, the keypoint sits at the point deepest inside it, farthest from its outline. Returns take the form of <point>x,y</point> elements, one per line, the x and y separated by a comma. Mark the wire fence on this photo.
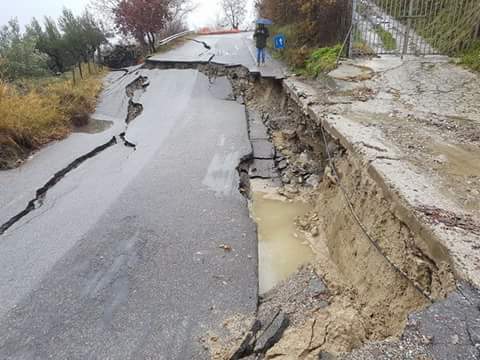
<point>414,27</point>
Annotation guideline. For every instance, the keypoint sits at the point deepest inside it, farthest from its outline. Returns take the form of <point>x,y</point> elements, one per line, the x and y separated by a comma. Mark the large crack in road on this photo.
<point>134,110</point>
<point>41,193</point>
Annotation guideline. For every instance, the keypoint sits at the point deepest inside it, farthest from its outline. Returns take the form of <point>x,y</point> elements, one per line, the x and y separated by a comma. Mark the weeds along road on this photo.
<point>120,256</point>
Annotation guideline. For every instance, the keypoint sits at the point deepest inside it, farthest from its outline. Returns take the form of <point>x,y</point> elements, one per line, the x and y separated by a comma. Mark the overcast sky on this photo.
<point>24,10</point>
<point>204,15</point>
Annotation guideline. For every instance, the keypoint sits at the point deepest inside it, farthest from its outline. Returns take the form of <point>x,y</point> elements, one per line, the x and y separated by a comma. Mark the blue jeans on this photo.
<point>260,55</point>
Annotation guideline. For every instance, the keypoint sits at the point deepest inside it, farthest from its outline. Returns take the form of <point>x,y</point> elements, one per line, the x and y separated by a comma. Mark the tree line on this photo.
<point>71,42</point>
<point>51,46</point>
<point>144,20</point>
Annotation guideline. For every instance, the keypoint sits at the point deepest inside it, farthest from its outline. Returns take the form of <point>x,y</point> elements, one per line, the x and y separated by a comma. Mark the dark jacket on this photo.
<point>261,35</point>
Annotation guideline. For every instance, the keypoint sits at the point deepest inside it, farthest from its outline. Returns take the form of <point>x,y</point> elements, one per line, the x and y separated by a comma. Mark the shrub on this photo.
<point>307,25</point>
<point>322,60</point>
<point>33,114</point>
<point>471,57</point>
<point>122,56</point>
<point>30,119</point>
<point>317,22</point>
<point>388,41</point>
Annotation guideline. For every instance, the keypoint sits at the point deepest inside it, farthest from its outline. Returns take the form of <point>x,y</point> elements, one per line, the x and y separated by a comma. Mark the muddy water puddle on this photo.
<point>282,249</point>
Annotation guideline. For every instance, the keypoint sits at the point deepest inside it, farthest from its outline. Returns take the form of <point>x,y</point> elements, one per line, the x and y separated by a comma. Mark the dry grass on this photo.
<point>34,114</point>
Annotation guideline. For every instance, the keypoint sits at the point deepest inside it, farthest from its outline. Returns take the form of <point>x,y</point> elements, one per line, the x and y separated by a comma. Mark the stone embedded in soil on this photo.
<point>272,333</point>
<point>301,293</point>
<point>250,357</point>
<point>286,179</point>
<point>282,164</point>
<point>326,356</point>
<point>314,231</point>
<point>246,347</point>
<point>313,180</point>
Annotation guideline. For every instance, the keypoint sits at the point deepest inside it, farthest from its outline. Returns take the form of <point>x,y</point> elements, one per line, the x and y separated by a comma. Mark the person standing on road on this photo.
<point>261,35</point>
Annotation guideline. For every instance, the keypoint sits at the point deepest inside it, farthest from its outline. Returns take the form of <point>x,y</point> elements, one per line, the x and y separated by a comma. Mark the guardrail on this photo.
<point>174,37</point>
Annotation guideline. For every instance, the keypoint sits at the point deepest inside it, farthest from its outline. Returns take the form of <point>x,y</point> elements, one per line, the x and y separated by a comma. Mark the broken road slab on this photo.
<point>257,129</point>
<point>263,169</point>
<point>263,149</point>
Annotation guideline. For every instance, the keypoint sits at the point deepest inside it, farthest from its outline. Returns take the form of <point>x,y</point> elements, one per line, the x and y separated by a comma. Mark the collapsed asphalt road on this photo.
<point>229,50</point>
<point>136,252</point>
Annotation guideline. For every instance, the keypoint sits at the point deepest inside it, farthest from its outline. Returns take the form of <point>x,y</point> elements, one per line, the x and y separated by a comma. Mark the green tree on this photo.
<point>18,53</point>
<point>74,37</point>
<point>93,36</point>
<point>50,41</point>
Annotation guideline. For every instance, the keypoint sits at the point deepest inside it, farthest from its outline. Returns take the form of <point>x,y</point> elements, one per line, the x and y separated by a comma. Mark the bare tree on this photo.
<point>181,8</point>
<point>104,11</point>
<point>235,12</point>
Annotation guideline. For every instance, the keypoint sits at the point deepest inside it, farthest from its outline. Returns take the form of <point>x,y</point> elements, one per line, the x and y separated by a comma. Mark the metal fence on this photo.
<point>414,27</point>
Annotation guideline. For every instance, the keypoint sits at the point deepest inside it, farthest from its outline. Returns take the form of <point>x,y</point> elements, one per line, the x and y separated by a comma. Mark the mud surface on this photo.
<point>282,248</point>
<point>429,110</point>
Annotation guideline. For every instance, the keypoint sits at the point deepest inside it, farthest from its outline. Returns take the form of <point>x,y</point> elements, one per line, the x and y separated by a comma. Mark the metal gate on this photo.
<point>413,27</point>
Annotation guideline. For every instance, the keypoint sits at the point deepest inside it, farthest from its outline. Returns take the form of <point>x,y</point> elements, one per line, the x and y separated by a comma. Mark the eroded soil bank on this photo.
<point>378,281</point>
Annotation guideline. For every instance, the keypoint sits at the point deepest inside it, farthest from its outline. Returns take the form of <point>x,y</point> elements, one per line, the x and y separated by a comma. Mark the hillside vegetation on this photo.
<point>48,82</point>
<point>308,26</point>
<point>452,27</point>
<point>448,25</point>
<point>33,113</point>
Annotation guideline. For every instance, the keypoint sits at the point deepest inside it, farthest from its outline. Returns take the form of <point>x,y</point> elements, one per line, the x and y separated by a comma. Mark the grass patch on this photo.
<point>322,60</point>
<point>389,42</point>
<point>303,59</point>
<point>471,57</point>
<point>33,113</point>
<point>360,46</point>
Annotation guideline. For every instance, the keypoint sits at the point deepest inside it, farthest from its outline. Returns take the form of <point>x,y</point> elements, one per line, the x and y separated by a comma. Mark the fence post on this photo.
<point>407,29</point>
<point>352,29</point>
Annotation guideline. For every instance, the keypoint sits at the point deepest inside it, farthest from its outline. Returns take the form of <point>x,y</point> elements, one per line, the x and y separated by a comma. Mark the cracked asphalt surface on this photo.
<point>233,49</point>
<point>122,258</point>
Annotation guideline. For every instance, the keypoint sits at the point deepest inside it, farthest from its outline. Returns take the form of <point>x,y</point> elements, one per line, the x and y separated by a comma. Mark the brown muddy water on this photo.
<point>282,249</point>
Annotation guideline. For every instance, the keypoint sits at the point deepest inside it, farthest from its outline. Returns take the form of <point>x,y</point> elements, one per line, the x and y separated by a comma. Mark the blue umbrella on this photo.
<point>264,21</point>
